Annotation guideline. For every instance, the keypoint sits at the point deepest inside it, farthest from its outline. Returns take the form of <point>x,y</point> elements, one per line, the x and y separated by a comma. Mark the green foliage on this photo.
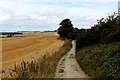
<point>61,71</point>
<point>112,37</point>
<point>105,31</point>
<point>98,48</point>
<point>86,39</point>
<point>101,60</point>
<point>66,29</point>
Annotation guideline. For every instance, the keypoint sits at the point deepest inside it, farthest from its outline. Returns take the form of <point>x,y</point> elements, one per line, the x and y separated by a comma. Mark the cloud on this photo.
<point>24,22</point>
<point>47,14</point>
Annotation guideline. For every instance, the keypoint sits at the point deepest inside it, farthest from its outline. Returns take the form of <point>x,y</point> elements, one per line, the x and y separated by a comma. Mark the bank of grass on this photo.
<point>44,68</point>
<point>101,60</point>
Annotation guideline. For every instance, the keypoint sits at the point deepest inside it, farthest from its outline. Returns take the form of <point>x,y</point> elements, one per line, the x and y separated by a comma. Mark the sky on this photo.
<point>40,15</point>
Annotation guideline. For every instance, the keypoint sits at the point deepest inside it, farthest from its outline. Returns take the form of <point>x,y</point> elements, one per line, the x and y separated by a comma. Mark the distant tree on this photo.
<point>66,29</point>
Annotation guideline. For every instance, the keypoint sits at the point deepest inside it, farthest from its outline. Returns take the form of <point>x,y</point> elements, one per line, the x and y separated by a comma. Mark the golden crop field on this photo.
<point>28,46</point>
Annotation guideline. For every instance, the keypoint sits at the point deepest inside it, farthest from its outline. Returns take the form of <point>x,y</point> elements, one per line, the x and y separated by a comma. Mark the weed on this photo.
<point>62,63</point>
<point>63,59</point>
<point>62,67</point>
<point>61,71</point>
<point>71,56</point>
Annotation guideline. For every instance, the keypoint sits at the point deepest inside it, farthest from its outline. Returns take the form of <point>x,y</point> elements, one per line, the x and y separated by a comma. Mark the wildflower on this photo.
<point>2,71</point>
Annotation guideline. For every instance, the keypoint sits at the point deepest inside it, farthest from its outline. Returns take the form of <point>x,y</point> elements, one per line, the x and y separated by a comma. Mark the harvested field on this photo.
<point>27,47</point>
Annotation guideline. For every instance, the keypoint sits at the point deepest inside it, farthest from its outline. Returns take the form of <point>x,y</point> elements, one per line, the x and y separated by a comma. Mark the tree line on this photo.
<point>107,30</point>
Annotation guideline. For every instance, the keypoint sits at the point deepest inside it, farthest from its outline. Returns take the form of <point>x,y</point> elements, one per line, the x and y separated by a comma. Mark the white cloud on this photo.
<point>20,15</point>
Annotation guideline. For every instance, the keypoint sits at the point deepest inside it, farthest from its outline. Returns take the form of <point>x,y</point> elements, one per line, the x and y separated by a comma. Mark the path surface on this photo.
<point>68,66</point>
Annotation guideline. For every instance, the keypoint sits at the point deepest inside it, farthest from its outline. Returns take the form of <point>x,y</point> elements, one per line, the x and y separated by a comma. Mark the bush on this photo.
<point>101,60</point>
<point>112,37</point>
<point>86,40</point>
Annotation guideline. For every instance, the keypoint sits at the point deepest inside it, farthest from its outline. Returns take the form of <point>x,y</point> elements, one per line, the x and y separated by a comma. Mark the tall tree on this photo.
<point>66,28</point>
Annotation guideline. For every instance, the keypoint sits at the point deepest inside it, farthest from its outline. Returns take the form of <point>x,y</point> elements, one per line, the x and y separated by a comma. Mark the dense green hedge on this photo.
<point>105,31</point>
<point>101,60</point>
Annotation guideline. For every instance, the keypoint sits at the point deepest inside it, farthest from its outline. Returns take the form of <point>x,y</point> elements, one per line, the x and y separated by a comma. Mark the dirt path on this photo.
<point>68,66</point>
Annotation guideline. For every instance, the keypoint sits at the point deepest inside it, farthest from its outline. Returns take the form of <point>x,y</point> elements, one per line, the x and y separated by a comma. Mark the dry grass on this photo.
<point>29,47</point>
<point>44,68</point>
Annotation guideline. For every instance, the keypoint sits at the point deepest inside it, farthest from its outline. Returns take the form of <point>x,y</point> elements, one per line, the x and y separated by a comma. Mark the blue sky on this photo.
<point>30,15</point>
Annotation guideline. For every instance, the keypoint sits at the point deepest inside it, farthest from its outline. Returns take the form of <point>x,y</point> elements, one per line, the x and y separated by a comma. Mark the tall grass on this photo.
<point>44,68</point>
<point>101,60</point>
<point>25,70</point>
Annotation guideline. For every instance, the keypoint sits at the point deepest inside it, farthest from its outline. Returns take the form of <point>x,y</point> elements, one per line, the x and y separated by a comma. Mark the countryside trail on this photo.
<point>68,66</point>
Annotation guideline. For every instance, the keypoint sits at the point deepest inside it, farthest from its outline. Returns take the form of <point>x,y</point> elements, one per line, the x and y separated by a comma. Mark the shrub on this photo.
<point>101,60</point>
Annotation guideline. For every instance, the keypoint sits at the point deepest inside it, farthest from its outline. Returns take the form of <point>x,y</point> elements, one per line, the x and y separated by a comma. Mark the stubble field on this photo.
<point>30,46</point>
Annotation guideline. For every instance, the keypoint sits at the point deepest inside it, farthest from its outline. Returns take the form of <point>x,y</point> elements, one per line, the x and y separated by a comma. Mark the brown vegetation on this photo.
<point>43,68</point>
<point>17,49</point>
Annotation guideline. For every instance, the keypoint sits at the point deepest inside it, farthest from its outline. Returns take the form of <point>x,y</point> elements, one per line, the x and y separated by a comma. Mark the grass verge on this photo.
<point>101,60</point>
<point>44,68</point>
